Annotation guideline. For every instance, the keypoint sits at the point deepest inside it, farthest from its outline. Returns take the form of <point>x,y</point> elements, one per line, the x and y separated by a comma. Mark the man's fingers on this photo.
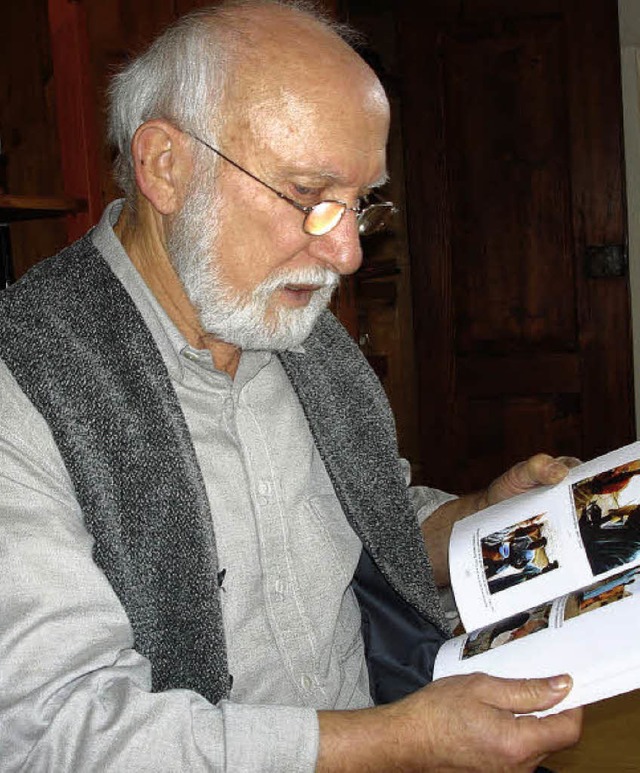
<point>541,469</point>
<point>524,696</point>
<point>522,477</point>
<point>540,734</point>
<point>536,470</point>
<point>555,732</point>
<point>569,461</point>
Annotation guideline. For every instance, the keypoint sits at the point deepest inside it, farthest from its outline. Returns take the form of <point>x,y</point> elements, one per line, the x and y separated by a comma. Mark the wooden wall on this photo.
<point>28,125</point>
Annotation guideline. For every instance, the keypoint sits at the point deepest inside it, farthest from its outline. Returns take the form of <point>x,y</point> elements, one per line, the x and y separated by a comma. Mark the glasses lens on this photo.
<point>323,217</point>
<point>375,218</point>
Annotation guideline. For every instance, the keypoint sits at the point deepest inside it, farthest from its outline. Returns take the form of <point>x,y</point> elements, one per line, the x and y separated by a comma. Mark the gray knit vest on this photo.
<point>78,347</point>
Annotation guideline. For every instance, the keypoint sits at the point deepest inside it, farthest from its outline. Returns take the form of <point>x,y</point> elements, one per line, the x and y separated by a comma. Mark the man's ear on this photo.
<point>162,164</point>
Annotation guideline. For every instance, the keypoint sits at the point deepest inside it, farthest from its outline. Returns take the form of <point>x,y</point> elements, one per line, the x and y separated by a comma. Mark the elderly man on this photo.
<point>211,560</point>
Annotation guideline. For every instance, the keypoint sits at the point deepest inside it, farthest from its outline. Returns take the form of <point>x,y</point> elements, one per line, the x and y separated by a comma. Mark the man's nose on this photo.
<point>339,249</point>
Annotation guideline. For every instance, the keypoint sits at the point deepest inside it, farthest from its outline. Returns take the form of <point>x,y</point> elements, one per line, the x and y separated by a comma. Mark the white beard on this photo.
<point>245,320</point>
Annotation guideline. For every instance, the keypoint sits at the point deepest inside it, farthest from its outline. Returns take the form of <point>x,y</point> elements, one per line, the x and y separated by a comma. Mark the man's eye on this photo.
<point>306,192</point>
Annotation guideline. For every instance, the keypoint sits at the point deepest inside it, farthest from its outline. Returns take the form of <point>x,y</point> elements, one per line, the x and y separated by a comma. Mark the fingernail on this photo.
<point>560,683</point>
<point>557,469</point>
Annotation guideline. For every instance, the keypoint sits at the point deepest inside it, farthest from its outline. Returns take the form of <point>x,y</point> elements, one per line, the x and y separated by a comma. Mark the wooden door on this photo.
<point>513,128</point>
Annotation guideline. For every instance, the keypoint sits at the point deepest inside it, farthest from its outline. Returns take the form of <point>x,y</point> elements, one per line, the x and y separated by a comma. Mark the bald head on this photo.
<point>294,76</point>
<point>274,42</point>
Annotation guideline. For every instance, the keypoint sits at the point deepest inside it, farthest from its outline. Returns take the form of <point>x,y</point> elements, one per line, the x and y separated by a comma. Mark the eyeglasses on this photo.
<point>324,216</point>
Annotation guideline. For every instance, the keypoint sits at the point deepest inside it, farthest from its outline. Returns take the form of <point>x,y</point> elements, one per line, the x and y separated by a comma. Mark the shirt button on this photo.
<point>306,681</point>
<point>264,488</point>
<point>189,354</point>
<point>264,491</point>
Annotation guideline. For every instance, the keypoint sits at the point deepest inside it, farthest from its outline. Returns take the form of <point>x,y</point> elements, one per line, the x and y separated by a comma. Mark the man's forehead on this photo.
<point>295,104</point>
<point>299,78</point>
<point>312,128</point>
<point>326,175</point>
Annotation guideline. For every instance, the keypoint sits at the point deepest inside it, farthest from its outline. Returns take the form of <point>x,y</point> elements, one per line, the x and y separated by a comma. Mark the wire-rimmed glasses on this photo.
<point>319,219</point>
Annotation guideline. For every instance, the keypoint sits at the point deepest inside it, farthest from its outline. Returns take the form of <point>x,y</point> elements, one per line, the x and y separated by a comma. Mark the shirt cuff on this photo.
<point>427,500</point>
<point>270,739</point>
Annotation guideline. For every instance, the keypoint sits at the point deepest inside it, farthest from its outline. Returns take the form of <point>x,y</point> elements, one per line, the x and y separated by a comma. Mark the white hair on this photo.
<point>182,76</point>
<point>179,78</point>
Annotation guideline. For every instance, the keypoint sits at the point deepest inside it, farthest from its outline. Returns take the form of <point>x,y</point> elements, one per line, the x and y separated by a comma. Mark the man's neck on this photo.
<point>142,236</point>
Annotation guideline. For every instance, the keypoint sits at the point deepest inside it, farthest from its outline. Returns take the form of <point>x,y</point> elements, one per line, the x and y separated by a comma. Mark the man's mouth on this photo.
<point>299,294</point>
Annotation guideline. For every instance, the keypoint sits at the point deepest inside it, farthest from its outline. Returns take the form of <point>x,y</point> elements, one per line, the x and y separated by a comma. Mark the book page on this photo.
<point>591,634</point>
<point>543,544</point>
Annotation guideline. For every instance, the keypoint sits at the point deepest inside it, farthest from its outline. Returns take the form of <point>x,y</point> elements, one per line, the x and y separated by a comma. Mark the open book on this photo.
<point>549,582</point>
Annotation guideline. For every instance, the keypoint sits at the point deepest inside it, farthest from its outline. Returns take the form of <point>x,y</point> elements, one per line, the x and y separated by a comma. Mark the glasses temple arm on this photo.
<point>278,193</point>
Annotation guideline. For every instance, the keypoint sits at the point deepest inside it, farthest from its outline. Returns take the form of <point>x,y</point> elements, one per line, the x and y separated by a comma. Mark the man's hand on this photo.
<point>539,470</point>
<point>461,723</point>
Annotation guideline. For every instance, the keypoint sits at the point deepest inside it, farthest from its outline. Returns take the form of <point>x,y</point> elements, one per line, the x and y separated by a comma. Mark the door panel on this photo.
<point>508,176</point>
<point>512,125</point>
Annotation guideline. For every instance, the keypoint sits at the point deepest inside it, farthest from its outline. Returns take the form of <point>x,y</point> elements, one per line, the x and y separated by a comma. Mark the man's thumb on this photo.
<point>524,696</point>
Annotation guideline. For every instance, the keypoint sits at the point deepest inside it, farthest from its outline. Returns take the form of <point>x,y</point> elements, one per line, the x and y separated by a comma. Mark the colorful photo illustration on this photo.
<point>603,593</point>
<point>608,510</point>
<point>517,554</point>
<point>511,629</point>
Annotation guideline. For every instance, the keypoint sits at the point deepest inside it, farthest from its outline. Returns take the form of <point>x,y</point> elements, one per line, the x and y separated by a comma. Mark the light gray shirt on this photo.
<point>74,695</point>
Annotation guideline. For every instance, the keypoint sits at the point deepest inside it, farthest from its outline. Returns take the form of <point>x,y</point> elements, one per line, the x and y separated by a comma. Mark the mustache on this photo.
<point>312,275</point>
